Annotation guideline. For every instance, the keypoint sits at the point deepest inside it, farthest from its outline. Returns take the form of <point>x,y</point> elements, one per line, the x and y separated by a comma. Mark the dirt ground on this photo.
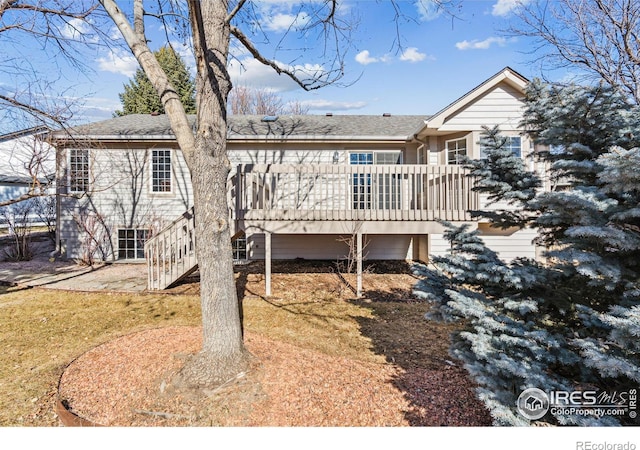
<point>404,378</point>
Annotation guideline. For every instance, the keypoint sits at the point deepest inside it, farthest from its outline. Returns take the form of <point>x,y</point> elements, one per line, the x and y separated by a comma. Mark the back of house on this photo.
<point>308,186</point>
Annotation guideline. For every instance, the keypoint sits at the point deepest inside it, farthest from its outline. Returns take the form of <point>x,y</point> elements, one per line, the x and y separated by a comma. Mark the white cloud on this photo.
<point>250,72</point>
<point>412,54</point>
<point>78,29</point>
<point>186,53</point>
<point>481,45</point>
<point>428,9</point>
<point>365,58</point>
<point>282,22</point>
<point>118,61</point>
<point>505,7</point>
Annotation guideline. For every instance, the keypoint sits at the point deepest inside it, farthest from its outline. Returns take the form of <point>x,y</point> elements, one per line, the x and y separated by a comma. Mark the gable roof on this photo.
<point>506,75</point>
<point>253,127</point>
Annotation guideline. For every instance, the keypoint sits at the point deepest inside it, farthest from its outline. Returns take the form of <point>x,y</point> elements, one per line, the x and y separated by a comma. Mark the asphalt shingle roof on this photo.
<point>139,126</point>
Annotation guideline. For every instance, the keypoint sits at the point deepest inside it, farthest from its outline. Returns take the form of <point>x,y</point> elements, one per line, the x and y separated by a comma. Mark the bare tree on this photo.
<point>29,98</point>
<point>248,100</point>
<point>600,37</point>
<point>212,25</point>
<point>223,355</point>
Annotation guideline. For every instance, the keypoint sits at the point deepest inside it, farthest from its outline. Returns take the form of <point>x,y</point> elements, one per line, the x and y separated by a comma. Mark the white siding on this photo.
<point>516,245</point>
<point>280,156</point>
<point>121,197</point>
<point>502,106</point>
<point>509,247</point>
<point>438,246</point>
<point>330,247</point>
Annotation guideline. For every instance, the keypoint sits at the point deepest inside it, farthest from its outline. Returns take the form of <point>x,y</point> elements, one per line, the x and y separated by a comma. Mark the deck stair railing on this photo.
<point>171,253</point>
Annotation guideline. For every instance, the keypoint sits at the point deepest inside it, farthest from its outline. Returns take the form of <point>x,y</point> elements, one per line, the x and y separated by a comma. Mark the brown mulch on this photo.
<point>120,383</point>
<point>126,382</point>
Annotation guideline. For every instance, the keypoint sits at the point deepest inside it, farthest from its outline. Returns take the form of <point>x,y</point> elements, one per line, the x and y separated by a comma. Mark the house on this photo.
<point>309,186</point>
<point>28,165</point>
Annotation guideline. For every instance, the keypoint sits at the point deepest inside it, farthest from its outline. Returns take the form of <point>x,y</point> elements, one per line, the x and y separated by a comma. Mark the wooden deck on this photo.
<point>395,197</point>
<point>353,193</point>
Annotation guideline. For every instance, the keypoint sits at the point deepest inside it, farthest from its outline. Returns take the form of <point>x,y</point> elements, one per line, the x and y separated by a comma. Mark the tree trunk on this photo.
<point>223,355</point>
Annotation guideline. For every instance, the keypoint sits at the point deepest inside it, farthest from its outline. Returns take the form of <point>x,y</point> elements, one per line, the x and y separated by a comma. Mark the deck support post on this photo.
<point>267,263</point>
<point>359,264</point>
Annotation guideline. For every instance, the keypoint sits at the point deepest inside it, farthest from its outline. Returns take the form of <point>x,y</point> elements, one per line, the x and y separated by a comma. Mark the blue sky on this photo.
<point>440,59</point>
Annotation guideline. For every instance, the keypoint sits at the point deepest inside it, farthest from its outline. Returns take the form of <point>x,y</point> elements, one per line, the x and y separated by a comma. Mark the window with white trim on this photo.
<point>131,243</point>
<point>239,248</point>
<point>78,170</point>
<point>513,143</point>
<point>456,151</point>
<point>160,170</point>
<point>388,185</point>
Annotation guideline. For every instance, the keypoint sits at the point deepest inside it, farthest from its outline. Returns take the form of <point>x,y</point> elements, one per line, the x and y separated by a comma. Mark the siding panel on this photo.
<point>330,247</point>
<point>509,247</point>
<point>502,106</point>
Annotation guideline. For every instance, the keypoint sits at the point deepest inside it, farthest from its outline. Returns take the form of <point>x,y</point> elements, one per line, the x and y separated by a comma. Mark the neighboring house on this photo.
<point>301,186</point>
<point>27,165</point>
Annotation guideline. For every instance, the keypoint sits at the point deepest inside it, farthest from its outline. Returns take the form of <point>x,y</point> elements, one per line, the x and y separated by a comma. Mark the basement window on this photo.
<point>239,248</point>
<point>131,243</point>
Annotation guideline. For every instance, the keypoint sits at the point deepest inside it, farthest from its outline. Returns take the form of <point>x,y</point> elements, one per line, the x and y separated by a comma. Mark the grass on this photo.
<point>43,330</point>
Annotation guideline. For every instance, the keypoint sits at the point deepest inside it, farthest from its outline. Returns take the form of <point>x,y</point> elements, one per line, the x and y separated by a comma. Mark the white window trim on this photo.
<point>135,230</point>
<point>69,171</point>
<point>446,149</point>
<point>522,143</point>
<point>171,179</point>
<point>373,152</point>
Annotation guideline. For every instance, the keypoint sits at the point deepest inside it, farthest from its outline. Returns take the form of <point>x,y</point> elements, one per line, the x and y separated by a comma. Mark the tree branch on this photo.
<point>238,34</point>
<point>168,95</point>
<point>235,11</point>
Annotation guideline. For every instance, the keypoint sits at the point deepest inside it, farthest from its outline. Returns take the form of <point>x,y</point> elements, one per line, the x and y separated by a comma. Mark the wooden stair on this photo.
<point>171,254</point>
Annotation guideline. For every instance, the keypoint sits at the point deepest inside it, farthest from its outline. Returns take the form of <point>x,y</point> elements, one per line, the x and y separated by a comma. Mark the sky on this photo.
<point>415,66</point>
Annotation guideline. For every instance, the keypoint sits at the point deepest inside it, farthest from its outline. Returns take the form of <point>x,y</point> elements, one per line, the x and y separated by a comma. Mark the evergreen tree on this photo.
<point>139,96</point>
<point>573,322</point>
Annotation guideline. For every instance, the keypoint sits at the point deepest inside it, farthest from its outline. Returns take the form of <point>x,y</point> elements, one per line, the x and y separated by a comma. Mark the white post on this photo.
<point>359,264</point>
<point>267,263</point>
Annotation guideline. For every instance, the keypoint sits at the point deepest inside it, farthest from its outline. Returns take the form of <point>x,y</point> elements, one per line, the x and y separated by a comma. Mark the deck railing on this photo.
<point>353,192</point>
<point>171,254</point>
<point>320,193</point>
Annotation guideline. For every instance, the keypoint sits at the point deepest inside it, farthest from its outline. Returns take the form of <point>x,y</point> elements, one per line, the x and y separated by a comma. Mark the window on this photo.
<point>78,170</point>
<point>456,151</point>
<point>513,143</point>
<point>161,171</point>
<point>388,185</point>
<point>131,243</point>
<point>361,188</point>
<point>239,247</point>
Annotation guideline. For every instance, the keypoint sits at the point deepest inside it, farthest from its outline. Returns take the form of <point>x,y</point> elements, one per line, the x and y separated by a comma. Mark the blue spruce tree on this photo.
<point>571,322</point>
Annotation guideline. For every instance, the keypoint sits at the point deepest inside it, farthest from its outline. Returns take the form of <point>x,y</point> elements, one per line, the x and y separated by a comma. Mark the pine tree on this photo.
<point>573,322</point>
<point>139,96</point>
